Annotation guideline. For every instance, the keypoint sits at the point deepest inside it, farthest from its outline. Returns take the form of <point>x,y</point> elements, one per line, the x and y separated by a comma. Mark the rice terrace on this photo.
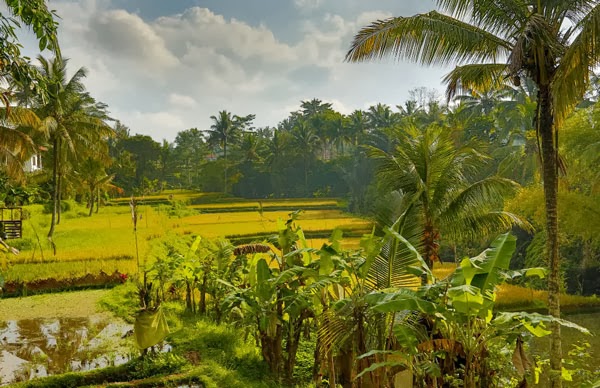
<point>300,194</point>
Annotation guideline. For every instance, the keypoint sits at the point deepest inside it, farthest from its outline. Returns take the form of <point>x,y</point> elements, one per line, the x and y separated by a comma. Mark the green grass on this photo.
<point>60,305</point>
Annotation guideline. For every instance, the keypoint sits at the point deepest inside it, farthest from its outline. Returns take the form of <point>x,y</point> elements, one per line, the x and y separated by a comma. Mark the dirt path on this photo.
<point>77,304</point>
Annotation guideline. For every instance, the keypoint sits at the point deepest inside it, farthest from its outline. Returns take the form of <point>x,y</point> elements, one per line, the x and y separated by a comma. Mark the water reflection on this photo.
<point>40,347</point>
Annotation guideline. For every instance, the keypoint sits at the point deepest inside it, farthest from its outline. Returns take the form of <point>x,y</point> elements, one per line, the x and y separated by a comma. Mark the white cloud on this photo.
<point>171,73</point>
<point>307,4</point>
<point>181,101</point>
<point>127,36</point>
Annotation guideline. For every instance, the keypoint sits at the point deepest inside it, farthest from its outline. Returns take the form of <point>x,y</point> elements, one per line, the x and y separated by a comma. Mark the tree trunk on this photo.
<point>59,197</point>
<point>272,352</point>
<point>306,176</point>
<point>188,296</point>
<point>54,188</point>
<point>203,295</point>
<point>291,348</point>
<point>97,200</point>
<point>316,370</point>
<point>225,172</point>
<point>430,247</point>
<point>92,200</point>
<point>549,153</point>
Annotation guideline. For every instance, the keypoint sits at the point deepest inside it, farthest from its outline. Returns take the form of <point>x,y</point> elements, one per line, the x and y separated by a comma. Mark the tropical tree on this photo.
<point>314,107</point>
<point>438,180</point>
<point>227,129</point>
<point>19,130</point>
<point>358,126</point>
<point>307,143</point>
<point>382,120</point>
<point>555,43</point>
<point>13,65</point>
<point>78,123</point>
<point>91,174</point>
<point>190,149</point>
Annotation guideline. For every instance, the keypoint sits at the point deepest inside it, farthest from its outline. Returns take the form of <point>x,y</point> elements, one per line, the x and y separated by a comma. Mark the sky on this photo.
<point>166,66</point>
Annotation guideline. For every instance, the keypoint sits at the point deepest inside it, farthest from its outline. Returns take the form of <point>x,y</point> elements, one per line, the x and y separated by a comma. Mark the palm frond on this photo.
<point>334,329</point>
<point>500,17</point>
<point>480,76</point>
<point>481,195</point>
<point>481,226</point>
<point>431,38</point>
<point>581,57</point>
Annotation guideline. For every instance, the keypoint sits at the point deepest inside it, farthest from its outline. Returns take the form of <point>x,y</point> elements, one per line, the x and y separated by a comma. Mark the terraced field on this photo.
<point>106,241</point>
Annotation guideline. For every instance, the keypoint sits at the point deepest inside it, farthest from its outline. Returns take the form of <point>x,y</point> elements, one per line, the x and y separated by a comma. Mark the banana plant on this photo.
<point>275,294</point>
<point>347,327</point>
<point>448,327</point>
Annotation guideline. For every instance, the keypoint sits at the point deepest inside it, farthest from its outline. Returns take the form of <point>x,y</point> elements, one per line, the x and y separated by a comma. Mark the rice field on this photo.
<point>106,241</point>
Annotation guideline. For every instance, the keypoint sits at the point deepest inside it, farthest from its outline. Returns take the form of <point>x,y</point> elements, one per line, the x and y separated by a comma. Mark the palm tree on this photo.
<point>92,175</point>
<point>19,130</point>
<point>357,126</point>
<point>306,142</point>
<point>382,121</point>
<point>313,107</point>
<point>78,123</point>
<point>225,130</point>
<point>438,179</point>
<point>277,150</point>
<point>555,43</point>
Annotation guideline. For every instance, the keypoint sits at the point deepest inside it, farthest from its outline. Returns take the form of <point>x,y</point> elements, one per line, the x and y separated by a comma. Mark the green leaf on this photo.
<point>566,374</point>
<point>469,270</point>
<point>325,262</point>
<point>466,299</point>
<point>336,238</point>
<point>424,269</point>
<point>263,273</point>
<point>537,330</point>
<point>398,301</point>
<point>378,365</point>
<point>488,264</point>
<point>194,247</point>
<point>371,246</point>
<point>540,272</point>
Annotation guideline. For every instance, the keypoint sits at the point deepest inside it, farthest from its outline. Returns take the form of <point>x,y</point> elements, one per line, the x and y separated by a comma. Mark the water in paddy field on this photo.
<point>570,337</point>
<point>32,348</point>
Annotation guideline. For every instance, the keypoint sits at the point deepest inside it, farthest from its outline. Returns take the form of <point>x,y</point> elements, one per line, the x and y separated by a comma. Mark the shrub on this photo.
<point>65,206</point>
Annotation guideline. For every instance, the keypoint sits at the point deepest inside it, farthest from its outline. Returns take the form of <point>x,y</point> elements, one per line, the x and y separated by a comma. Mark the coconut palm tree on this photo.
<point>20,131</point>
<point>313,107</point>
<point>306,142</point>
<point>382,121</point>
<point>357,126</point>
<point>78,124</point>
<point>555,43</point>
<point>440,194</point>
<point>225,130</point>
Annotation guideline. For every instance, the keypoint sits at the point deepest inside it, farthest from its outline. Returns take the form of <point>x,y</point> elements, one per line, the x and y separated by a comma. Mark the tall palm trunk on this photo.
<point>549,154</point>
<point>430,247</point>
<point>92,200</point>
<point>225,157</point>
<point>54,188</point>
<point>97,200</point>
<point>59,195</point>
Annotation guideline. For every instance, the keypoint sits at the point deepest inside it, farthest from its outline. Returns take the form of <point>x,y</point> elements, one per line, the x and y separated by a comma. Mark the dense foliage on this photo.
<point>440,180</point>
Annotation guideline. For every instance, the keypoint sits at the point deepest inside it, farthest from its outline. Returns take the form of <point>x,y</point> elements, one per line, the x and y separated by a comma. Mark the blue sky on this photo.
<point>165,66</point>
